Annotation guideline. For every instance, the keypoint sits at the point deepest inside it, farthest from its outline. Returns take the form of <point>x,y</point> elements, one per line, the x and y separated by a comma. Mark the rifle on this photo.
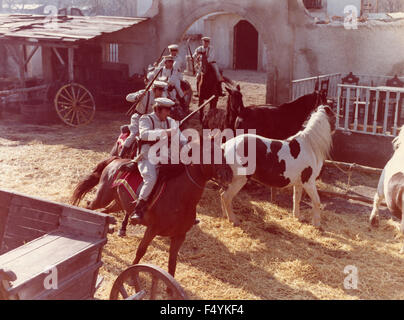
<point>192,58</point>
<point>194,112</point>
<point>161,56</point>
<point>140,97</point>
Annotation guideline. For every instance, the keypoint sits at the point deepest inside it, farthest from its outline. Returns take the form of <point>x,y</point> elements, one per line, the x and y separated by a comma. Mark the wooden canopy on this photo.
<point>69,30</point>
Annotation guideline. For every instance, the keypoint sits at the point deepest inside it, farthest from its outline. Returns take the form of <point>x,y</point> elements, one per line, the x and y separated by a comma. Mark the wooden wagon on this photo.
<point>52,251</point>
<point>79,68</point>
<point>49,250</point>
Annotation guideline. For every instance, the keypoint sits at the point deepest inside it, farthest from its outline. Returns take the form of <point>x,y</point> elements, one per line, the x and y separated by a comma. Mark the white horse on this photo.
<point>296,161</point>
<point>391,185</point>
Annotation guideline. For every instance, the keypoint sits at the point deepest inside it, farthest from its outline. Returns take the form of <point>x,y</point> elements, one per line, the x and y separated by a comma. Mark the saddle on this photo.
<point>128,176</point>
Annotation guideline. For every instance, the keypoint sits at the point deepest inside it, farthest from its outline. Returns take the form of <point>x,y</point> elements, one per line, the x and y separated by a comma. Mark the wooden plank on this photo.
<point>54,253</point>
<point>36,203</point>
<point>86,215</point>
<point>24,233</point>
<point>48,217</point>
<point>32,223</point>
<point>29,247</point>
<point>34,287</point>
<point>79,287</point>
<point>82,227</point>
<point>10,243</point>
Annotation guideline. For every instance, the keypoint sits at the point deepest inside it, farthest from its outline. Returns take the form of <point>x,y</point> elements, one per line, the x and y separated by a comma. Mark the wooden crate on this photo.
<point>37,236</point>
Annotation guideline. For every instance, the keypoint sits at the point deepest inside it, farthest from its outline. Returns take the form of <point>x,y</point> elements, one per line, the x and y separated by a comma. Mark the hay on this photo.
<point>270,256</point>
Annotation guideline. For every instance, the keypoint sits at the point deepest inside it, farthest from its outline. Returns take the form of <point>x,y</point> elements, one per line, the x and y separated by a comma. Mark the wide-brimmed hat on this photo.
<point>206,38</point>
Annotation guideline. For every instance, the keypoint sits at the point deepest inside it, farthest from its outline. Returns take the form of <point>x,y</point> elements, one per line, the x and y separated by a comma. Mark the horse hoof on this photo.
<point>122,233</point>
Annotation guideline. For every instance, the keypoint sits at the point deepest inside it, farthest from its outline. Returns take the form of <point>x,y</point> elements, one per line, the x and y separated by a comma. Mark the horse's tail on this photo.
<point>89,182</point>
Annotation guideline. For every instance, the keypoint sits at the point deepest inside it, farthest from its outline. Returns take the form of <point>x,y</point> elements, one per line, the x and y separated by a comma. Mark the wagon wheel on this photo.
<point>148,282</point>
<point>75,105</point>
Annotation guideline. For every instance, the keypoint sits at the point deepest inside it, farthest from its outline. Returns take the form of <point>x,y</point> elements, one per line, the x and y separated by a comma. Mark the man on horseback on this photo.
<point>207,49</point>
<point>173,78</point>
<point>151,128</point>
<point>144,106</point>
<point>178,62</point>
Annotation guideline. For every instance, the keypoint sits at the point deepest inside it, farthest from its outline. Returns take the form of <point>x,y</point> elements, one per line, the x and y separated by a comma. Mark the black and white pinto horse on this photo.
<point>391,185</point>
<point>295,162</point>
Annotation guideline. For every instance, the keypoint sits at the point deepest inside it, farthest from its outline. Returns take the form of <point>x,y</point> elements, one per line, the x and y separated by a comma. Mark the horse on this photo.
<point>207,86</point>
<point>391,185</point>
<point>172,212</point>
<point>274,122</point>
<point>295,162</point>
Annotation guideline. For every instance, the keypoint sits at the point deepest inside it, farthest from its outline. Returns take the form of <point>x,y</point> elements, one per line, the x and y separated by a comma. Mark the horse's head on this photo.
<point>234,100</point>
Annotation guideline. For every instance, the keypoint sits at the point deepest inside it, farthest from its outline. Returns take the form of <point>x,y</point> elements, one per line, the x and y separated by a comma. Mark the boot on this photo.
<point>138,212</point>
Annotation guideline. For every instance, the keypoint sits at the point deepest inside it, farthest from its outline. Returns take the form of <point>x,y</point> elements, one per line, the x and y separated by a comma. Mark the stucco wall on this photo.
<point>372,50</point>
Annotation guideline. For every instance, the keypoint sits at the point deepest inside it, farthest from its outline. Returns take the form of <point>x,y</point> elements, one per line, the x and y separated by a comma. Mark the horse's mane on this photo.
<point>398,141</point>
<point>318,133</point>
<point>307,101</point>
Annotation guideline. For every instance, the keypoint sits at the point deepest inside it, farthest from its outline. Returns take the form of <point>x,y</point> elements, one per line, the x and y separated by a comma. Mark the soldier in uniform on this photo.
<point>143,107</point>
<point>210,55</point>
<point>152,127</point>
<point>178,61</point>
<point>174,81</point>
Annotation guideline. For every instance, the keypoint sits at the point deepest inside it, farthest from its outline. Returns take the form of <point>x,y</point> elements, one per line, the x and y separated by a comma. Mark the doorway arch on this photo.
<point>245,48</point>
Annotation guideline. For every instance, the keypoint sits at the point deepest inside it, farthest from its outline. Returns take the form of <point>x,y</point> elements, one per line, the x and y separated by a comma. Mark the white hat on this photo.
<point>173,47</point>
<point>206,38</point>
<point>168,58</point>
<point>164,102</point>
<point>159,84</point>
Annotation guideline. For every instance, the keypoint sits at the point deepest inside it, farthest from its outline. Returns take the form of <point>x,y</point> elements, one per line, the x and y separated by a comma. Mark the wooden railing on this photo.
<point>305,86</point>
<point>370,110</point>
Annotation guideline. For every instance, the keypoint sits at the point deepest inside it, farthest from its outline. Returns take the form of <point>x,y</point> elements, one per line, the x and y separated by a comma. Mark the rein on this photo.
<point>193,180</point>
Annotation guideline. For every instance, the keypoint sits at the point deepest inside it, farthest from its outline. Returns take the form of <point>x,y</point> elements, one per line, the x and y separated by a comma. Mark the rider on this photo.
<point>210,55</point>
<point>143,107</point>
<point>174,81</point>
<point>178,62</point>
<point>151,128</point>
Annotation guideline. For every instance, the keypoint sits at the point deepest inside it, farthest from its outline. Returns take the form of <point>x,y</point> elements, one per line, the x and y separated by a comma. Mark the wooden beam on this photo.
<point>71,64</point>
<point>55,50</point>
<point>31,55</point>
<point>352,166</point>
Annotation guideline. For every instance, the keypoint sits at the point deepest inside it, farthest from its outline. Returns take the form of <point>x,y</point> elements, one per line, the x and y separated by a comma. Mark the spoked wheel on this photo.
<point>75,105</point>
<point>146,282</point>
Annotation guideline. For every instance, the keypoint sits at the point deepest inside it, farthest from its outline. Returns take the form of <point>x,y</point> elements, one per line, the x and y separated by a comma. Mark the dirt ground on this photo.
<point>269,256</point>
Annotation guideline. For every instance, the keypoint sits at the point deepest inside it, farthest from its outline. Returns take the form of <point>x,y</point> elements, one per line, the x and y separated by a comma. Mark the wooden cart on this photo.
<point>49,250</point>
<point>75,73</point>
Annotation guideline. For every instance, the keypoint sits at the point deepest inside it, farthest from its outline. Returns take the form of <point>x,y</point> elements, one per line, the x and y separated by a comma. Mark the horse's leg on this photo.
<point>378,198</point>
<point>227,196</point>
<point>297,196</point>
<point>128,206</point>
<point>310,188</point>
<point>175,245</point>
<point>147,238</point>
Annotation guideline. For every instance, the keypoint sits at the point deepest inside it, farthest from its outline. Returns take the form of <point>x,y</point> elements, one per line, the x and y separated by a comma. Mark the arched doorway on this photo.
<point>245,51</point>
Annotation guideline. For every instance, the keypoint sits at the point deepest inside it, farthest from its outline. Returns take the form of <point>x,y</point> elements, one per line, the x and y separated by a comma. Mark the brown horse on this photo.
<point>207,86</point>
<point>173,213</point>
